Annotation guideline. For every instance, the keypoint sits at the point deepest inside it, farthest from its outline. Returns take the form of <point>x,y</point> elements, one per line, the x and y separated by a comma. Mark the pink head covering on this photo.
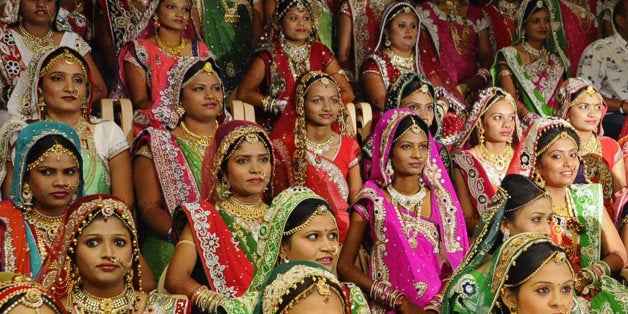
<point>569,92</point>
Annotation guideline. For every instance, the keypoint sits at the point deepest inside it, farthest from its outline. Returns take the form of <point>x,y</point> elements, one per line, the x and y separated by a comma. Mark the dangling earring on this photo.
<point>387,42</point>
<point>513,309</point>
<point>84,110</point>
<point>129,276</point>
<point>41,103</point>
<point>481,136</point>
<point>20,19</point>
<point>538,180</point>
<point>223,189</point>
<point>506,235</point>
<point>27,196</point>
<point>180,111</point>
<point>390,172</point>
<point>156,23</point>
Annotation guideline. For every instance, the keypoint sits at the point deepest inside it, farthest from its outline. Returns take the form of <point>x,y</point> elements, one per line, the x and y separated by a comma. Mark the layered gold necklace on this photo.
<point>34,43</point>
<point>199,142</point>
<point>298,57</point>
<point>592,146</point>
<point>46,228</point>
<point>404,64</point>
<point>125,302</point>
<point>320,148</point>
<point>173,51</point>
<point>237,208</point>
<point>499,161</point>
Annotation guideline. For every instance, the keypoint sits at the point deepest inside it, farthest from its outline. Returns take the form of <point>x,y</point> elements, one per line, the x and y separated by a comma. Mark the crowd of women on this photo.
<point>485,185</point>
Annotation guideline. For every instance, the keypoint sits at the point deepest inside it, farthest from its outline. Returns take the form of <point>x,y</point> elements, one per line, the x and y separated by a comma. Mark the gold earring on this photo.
<point>538,180</point>
<point>180,110</point>
<point>27,196</point>
<point>481,136</point>
<point>223,190</point>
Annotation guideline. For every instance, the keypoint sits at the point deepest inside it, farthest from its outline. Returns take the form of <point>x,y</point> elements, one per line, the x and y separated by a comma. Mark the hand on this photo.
<point>408,307</point>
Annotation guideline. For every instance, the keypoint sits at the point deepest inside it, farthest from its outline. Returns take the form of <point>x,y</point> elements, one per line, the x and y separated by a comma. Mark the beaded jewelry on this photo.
<point>319,211</point>
<point>207,68</point>
<point>56,149</point>
<point>69,59</point>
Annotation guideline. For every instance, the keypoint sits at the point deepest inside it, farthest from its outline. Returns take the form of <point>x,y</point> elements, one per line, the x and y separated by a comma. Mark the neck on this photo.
<point>318,133</point>
<point>67,118</point>
<point>248,199</point>
<point>558,194</point>
<point>50,211</point>
<point>536,44</point>
<point>37,30</point>
<point>104,291</point>
<point>584,136</point>
<point>495,148</point>
<point>406,185</point>
<point>405,53</point>
<point>201,128</point>
<point>169,37</point>
<point>297,43</point>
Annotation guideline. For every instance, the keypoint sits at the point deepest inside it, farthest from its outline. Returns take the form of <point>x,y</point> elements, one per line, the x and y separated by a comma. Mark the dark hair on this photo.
<point>407,122</point>
<point>285,5</point>
<point>619,10</point>
<point>520,191</point>
<point>547,138</point>
<point>304,286</point>
<point>532,8</point>
<point>393,13</point>
<point>45,143</point>
<point>301,213</point>
<point>234,146</point>
<point>62,50</point>
<point>197,67</point>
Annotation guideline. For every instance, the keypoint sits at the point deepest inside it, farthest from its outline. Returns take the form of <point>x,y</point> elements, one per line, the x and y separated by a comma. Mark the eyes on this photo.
<point>295,17</point>
<point>539,20</point>
<point>172,6</point>
<point>94,242</point>
<point>76,79</point>
<point>47,171</point>
<point>418,107</point>
<point>202,88</point>
<point>243,160</point>
<point>560,155</point>
<point>539,219</point>
<point>500,117</point>
<point>403,25</point>
<point>407,146</point>
<point>319,100</point>
<point>333,236</point>
<point>584,106</point>
<point>565,289</point>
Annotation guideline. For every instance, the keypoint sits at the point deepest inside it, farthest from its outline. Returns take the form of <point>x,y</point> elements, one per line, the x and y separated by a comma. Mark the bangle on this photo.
<point>621,107</point>
<point>188,242</point>
<point>623,222</point>
<point>271,105</point>
<point>505,73</point>
<point>485,74</point>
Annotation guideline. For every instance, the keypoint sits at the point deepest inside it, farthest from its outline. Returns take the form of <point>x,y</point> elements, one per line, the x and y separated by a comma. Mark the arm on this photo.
<point>485,60</point>
<point>248,91</point>
<point>148,280</point>
<point>8,177</point>
<point>375,90</point>
<point>345,29</point>
<point>99,89</point>
<point>179,271</point>
<point>507,82</point>
<point>269,8</point>
<point>619,175</point>
<point>471,216</point>
<point>613,249</point>
<point>355,182</point>
<point>346,92</point>
<point>149,196</point>
<point>258,21</point>
<point>121,182</point>
<point>137,88</point>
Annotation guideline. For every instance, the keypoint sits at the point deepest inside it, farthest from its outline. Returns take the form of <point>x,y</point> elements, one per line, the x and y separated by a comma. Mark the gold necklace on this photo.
<point>533,53</point>
<point>319,148</point>
<point>34,43</point>
<point>173,51</point>
<point>237,208</point>
<point>46,228</point>
<point>202,140</point>
<point>125,302</point>
<point>500,161</point>
<point>460,42</point>
<point>592,146</point>
<point>507,9</point>
<point>298,57</point>
<point>402,63</point>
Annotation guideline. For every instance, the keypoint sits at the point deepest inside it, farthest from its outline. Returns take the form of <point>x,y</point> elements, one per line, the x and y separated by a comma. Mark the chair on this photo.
<point>364,118</point>
<point>350,109</point>
<point>121,112</point>
<point>242,111</point>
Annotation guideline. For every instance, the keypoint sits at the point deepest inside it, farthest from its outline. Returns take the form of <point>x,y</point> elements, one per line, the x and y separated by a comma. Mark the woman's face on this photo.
<point>322,104</point>
<point>64,88</point>
<point>409,154</point>
<point>202,98</point>
<point>538,26</point>
<point>102,242</point>
<point>317,242</point>
<point>317,303</point>
<point>402,31</point>
<point>559,163</point>
<point>499,122</point>
<point>422,104</point>
<point>548,291</point>
<point>249,169</point>
<point>173,14</point>
<point>297,25</point>
<point>586,114</point>
<point>54,182</point>
<point>533,217</point>
<point>37,11</point>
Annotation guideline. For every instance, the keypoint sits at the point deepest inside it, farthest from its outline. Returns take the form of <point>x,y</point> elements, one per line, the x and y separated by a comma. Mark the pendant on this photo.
<point>413,243</point>
<point>231,15</point>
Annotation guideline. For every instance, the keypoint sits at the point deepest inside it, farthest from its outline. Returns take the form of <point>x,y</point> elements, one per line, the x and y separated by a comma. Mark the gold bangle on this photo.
<point>188,242</point>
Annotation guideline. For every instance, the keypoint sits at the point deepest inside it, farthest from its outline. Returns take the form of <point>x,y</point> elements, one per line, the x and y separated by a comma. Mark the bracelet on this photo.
<point>505,73</point>
<point>485,74</point>
<point>198,291</point>
<point>188,242</point>
<point>623,222</point>
<point>270,105</point>
<point>382,292</point>
<point>621,106</point>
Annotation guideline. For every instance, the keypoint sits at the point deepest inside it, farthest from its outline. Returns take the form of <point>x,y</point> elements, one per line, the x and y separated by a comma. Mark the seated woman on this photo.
<point>528,268</point>
<point>484,151</point>
<point>518,206</point>
<point>548,155</point>
<point>534,66</point>
<point>217,237</point>
<point>58,88</point>
<point>47,176</point>
<point>98,269</point>
<point>581,26</point>
<point>312,152</point>
<point>27,27</point>
<point>165,34</point>
<point>300,225</point>
<point>323,10</point>
<point>20,294</point>
<point>168,160</point>
<point>409,218</point>
<point>581,104</point>
<point>292,49</point>
<point>302,287</point>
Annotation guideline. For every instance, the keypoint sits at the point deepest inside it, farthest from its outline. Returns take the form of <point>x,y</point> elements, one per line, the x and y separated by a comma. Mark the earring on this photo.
<point>84,110</point>
<point>390,172</point>
<point>513,309</point>
<point>481,136</point>
<point>27,195</point>
<point>538,180</point>
<point>223,189</point>
<point>156,23</point>
<point>180,111</point>
<point>506,235</point>
<point>387,42</point>
<point>20,18</point>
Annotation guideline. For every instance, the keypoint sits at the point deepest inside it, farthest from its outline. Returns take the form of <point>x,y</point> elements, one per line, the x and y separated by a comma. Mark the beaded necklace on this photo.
<point>533,53</point>
<point>199,142</point>
<point>34,43</point>
<point>320,148</point>
<point>507,9</point>
<point>298,57</point>
<point>46,228</point>
<point>499,161</point>
<point>410,221</point>
<point>84,302</point>
<point>404,64</point>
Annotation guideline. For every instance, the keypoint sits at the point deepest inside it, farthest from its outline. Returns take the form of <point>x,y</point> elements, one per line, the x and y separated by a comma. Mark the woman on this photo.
<point>98,270</point>
<point>302,287</point>
<point>581,26</point>
<point>529,268</point>
<point>549,155</point>
<point>166,34</point>
<point>299,225</point>
<point>20,294</point>
<point>518,206</point>
<point>501,14</point>
<point>217,238</point>
<point>168,159</point>
<point>58,88</point>
<point>534,66</point>
<point>581,104</point>
<point>484,151</point>
<point>460,32</point>
<point>47,177</point>
<point>323,10</point>
<point>408,215</point>
<point>27,27</point>
<point>292,49</point>
<point>311,152</point>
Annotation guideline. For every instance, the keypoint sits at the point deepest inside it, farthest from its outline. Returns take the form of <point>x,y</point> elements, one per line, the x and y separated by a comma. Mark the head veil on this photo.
<point>274,31</point>
<point>389,14</point>
<point>55,276</point>
<point>146,28</point>
<point>565,98</point>
<point>486,99</point>
<point>11,12</point>
<point>452,229</point>
<point>19,289</point>
<point>228,136</point>
<point>26,141</point>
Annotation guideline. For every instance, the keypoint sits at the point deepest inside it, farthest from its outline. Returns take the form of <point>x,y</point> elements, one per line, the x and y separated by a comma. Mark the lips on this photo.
<point>60,194</point>
<point>107,267</point>
<point>68,98</point>
<point>256,180</point>
<point>327,260</point>
<point>326,115</point>
<point>506,133</point>
<point>416,164</point>
<point>301,30</point>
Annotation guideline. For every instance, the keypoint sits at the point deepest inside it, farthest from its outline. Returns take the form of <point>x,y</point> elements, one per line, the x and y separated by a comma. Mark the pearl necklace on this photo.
<point>125,302</point>
<point>34,43</point>
<point>535,54</point>
<point>414,201</point>
<point>319,148</point>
